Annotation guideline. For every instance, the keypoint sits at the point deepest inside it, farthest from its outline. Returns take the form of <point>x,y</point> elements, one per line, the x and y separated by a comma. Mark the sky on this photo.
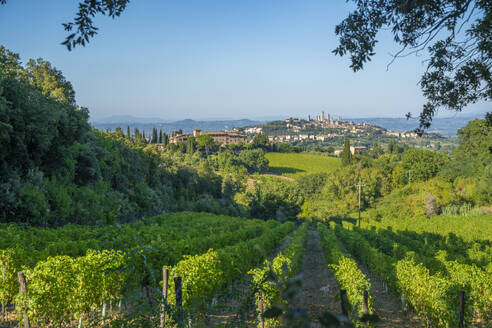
<point>217,59</point>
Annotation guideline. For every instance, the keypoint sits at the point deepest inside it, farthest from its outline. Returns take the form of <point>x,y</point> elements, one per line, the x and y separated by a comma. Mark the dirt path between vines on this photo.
<point>387,307</point>
<point>319,285</point>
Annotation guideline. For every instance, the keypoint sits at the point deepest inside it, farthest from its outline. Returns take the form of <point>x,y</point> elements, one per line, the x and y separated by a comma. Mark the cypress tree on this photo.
<point>164,139</point>
<point>346,154</point>
<point>154,136</point>
<point>190,145</point>
<point>160,136</point>
<point>128,132</point>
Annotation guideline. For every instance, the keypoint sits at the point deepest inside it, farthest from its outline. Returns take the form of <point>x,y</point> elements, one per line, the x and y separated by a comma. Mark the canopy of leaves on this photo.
<point>456,34</point>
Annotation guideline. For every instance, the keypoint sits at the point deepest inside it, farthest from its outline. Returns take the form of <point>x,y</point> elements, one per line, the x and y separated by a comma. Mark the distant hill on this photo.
<point>129,119</point>
<point>445,126</point>
<point>144,124</point>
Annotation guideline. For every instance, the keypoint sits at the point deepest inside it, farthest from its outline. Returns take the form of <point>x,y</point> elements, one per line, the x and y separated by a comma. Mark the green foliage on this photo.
<point>433,297</point>
<point>9,263</point>
<point>313,183</point>
<point>457,42</point>
<point>423,164</point>
<point>272,198</point>
<point>205,142</point>
<point>261,141</point>
<point>417,265</point>
<point>267,280</point>
<point>62,288</point>
<point>346,271</point>
<point>49,81</point>
<point>203,275</point>
<point>347,158</point>
<point>254,160</point>
<point>55,170</point>
<point>410,182</point>
<point>285,147</point>
<point>59,273</point>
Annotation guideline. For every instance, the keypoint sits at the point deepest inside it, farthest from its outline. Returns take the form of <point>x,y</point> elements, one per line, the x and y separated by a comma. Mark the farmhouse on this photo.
<point>223,137</point>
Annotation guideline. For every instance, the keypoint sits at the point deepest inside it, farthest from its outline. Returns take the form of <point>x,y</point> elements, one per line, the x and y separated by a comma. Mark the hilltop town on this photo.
<point>322,127</point>
<point>323,133</point>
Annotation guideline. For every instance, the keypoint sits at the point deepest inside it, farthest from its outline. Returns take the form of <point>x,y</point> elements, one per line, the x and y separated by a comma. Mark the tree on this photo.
<point>272,197</point>
<point>456,34</point>
<point>488,119</point>
<point>205,141</point>
<point>190,145</point>
<point>347,158</point>
<point>160,136</point>
<point>424,164</point>
<point>153,138</point>
<point>49,81</point>
<point>285,147</point>
<point>261,141</point>
<point>165,139</point>
<point>254,160</point>
<point>128,135</point>
<point>177,132</point>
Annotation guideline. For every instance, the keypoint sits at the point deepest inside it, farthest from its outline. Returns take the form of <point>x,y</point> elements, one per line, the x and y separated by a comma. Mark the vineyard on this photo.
<point>73,273</point>
<point>183,269</point>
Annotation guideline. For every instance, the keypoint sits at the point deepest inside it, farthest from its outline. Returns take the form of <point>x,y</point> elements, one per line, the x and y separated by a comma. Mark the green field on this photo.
<point>295,165</point>
<point>469,227</point>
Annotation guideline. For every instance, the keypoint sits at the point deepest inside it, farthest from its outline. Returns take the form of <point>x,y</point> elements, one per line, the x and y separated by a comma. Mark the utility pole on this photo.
<point>360,185</point>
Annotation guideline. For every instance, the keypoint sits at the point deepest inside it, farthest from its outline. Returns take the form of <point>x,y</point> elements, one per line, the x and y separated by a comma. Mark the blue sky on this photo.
<point>207,59</point>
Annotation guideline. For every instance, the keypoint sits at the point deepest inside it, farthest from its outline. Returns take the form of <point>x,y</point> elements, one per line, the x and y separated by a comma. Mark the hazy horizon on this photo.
<point>464,115</point>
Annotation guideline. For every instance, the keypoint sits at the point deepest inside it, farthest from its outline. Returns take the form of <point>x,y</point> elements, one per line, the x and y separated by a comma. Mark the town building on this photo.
<point>223,137</point>
<point>357,149</point>
<point>178,138</point>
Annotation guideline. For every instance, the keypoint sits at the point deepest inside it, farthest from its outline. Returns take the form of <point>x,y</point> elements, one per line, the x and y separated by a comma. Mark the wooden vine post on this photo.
<point>260,307</point>
<point>3,293</point>
<point>462,309</point>
<point>178,290</point>
<point>365,303</point>
<point>23,291</point>
<point>343,296</point>
<point>165,280</point>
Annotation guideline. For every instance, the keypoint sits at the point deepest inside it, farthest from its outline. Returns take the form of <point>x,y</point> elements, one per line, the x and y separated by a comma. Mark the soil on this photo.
<point>319,289</point>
